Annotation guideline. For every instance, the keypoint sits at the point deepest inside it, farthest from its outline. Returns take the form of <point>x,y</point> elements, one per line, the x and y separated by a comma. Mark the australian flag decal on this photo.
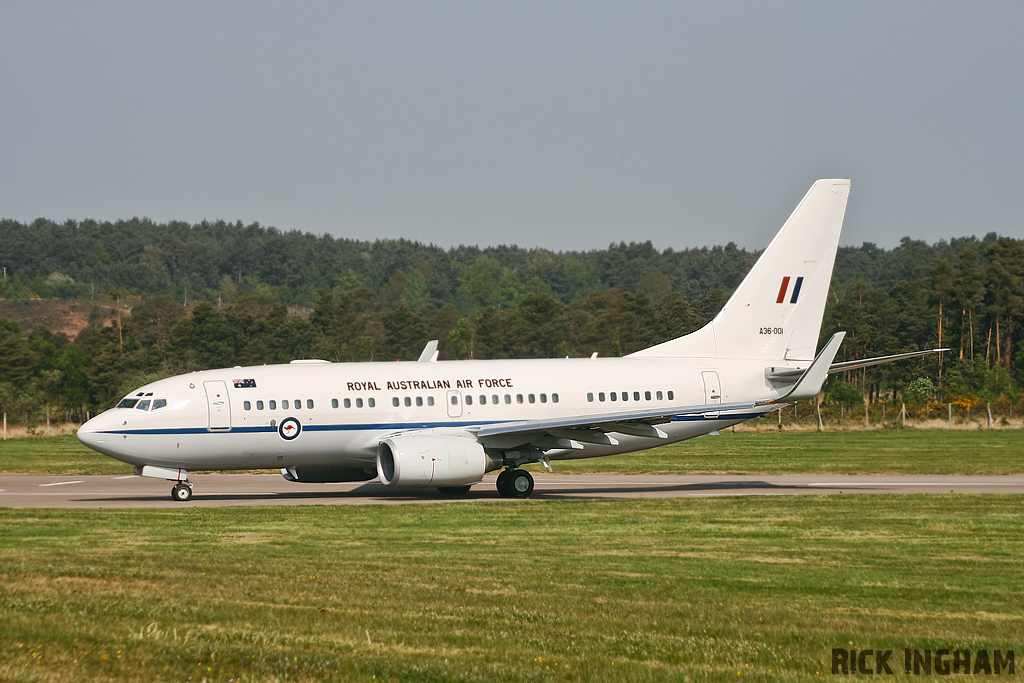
<point>785,287</point>
<point>245,383</point>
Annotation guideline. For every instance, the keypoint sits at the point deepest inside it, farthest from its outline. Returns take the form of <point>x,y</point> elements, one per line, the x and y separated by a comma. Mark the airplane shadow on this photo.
<point>378,493</point>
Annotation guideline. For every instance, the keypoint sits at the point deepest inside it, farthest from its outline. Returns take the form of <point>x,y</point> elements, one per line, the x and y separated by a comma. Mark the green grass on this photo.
<point>505,591</point>
<point>57,455</point>
<point>891,451</point>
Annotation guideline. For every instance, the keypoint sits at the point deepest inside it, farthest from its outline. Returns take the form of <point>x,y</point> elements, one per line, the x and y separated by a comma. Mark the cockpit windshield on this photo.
<point>143,404</point>
<point>127,403</point>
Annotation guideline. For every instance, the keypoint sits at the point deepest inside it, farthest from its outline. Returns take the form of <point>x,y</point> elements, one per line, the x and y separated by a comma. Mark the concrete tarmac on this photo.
<point>220,490</point>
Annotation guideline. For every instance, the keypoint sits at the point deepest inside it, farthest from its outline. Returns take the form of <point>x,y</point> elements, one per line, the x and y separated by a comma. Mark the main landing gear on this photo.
<point>182,491</point>
<point>515,483</point>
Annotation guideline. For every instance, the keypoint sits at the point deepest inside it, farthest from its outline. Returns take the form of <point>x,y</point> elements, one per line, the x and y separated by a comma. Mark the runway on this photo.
<point>221,490</point>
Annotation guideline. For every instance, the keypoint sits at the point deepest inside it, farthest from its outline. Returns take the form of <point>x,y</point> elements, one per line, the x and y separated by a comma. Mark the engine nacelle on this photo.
<point>424,459</point>
<point>325,475</point>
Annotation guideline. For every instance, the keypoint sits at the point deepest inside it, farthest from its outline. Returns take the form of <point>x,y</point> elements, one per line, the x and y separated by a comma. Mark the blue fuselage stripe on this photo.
<point>382,426</point>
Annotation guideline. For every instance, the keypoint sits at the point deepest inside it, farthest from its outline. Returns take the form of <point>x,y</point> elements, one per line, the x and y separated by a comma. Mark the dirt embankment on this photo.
<point>57,315</point>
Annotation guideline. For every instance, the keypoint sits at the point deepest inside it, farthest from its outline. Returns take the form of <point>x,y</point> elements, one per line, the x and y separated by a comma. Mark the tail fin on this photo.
<point>776,311</point>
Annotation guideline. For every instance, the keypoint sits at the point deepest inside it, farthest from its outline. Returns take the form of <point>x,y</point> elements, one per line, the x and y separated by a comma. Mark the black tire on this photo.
<point>455,490</point>
<point>520,484</point>
<point>502,483</point>
<point>181,493</point>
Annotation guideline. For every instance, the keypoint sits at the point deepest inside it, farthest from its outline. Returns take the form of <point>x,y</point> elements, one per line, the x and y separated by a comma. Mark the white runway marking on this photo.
<point>130,476</point>
<point>905,483</point>
<point>61,483</point>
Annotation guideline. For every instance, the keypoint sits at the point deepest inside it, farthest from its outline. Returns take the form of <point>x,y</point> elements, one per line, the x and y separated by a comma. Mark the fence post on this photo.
<point>817,407</point>
<point>903,414</point>
<point>5,426</point>
<point>950,406</point>
<point>867,420</point>
<point>988,407</point>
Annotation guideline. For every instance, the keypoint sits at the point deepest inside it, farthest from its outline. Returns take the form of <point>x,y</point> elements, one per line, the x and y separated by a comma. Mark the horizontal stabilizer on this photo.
<point>785,374</point>
<point>813,378</point>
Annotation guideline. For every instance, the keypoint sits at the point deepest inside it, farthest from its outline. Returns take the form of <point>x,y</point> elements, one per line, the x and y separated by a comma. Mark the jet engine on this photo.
<point>325,475</point>
<point>426,459</point>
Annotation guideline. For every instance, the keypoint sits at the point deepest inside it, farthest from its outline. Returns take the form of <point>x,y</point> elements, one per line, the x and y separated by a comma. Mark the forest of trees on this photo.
<point>188,297</point>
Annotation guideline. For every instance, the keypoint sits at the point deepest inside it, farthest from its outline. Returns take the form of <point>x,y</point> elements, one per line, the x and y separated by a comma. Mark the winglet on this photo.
<point>810,383</point>
<point>429,354</point>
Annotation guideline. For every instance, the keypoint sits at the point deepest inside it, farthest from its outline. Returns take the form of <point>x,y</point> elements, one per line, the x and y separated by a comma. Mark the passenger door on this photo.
<point>217,402</point>
<point>712,390</point>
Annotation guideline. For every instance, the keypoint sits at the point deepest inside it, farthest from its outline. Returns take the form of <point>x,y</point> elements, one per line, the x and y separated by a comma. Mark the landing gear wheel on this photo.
<point>519,484</point>
<point>455,490</point>
<point>502,483</point>
<point>181,492</point>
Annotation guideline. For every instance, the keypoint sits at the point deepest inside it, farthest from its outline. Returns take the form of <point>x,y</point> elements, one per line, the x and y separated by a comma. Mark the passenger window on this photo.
<point>590,396</point>
<point>554,398</point>
<point>246,405</point>
<point>531,398</point>
<point>647,396</point>
<point>419,401</point>
<point>483,400</point>
<point>408,402</point>
<point>359,403</point>
<point>455,399</point>
<point>625,395</point>
<point>430,400</point>
<point>600,396</point>
<point>298,403</point>
<point>348,403</point>
<point>613,396</point>
<point>128,403</point>
<point>659,395</point>
<point>309,403</point>
<point>636,395</point>
<point>143,404</point>
<point>370,402</point>
<point>543,398</point>
<point>284,404</point>
<point>494,399</point>
<point>259,405</point>
<point>334,403</point>
<point>671,395</point>
<point>519,398</point>
<point>273,405</point>
<point>508,398</point>
<point>394,401</point>
<point>469,400</point>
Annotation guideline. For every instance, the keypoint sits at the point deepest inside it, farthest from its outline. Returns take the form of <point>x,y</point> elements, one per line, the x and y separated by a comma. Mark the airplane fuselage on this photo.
<point>236,418</point>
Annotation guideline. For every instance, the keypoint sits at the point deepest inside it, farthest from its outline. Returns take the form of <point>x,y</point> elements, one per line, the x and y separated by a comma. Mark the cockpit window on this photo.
<point>159,403</point>
<point>143,404</point>
<point>127,403</point>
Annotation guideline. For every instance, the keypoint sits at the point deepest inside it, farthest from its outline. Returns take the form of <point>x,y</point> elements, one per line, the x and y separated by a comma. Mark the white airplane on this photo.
<point>445,423</point>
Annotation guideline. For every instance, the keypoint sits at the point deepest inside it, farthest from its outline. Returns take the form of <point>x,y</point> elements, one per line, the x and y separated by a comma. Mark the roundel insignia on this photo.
<point>289,429</point>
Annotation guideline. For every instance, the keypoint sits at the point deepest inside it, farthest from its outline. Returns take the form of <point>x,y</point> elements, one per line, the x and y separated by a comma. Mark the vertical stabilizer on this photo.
<point>776,311</point>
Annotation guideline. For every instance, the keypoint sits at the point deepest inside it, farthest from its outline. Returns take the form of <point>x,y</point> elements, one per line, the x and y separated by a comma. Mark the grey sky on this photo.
<point>565,125</point>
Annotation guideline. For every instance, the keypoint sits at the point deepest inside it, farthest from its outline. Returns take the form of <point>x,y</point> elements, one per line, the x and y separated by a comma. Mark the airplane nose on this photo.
<point>91,434</point>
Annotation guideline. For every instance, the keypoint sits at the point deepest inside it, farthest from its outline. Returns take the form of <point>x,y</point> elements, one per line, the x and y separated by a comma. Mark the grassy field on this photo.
<point>893,451</point>
<point>506,591</point>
